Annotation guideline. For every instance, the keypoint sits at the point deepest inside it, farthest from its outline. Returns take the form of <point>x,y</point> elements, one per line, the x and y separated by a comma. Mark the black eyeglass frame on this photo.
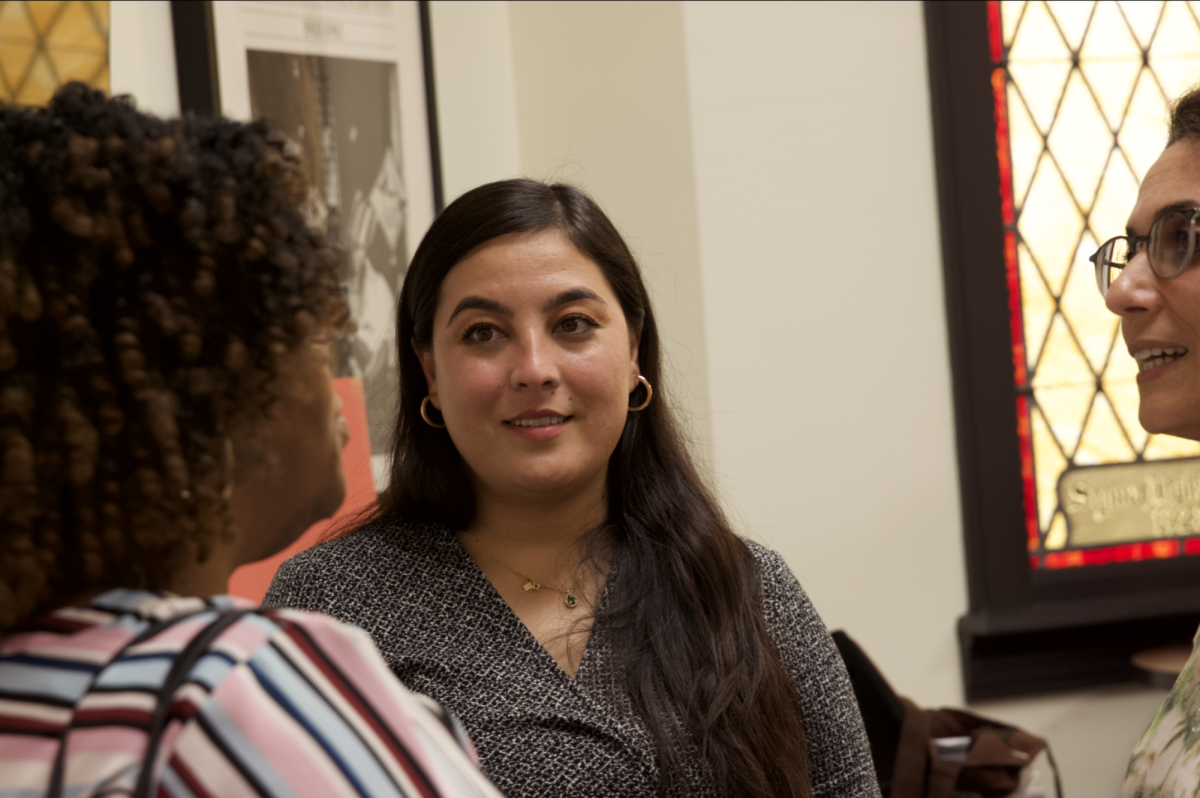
<point>1102,263</point>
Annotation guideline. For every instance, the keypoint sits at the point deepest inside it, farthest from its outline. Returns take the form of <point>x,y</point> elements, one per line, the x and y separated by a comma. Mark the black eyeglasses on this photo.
<point>1171,248</point>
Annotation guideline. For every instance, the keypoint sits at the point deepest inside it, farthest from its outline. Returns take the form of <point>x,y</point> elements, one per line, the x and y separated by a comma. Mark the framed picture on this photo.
<point>351,83</point>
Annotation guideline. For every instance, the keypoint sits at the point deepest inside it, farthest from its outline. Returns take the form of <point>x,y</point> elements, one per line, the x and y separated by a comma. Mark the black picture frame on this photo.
<point>199,86</point>
<point>1024,631</point>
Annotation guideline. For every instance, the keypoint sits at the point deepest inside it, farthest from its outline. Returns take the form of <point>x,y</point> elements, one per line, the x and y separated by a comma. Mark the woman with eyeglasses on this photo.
<point>167,413</point>
<point>1149,278</point>
<point>547,561</point>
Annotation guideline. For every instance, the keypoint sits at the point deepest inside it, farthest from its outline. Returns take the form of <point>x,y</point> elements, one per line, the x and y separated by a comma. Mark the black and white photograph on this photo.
<point>343,114</point>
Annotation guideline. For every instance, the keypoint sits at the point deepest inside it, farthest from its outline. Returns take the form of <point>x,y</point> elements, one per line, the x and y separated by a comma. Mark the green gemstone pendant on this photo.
<point>571,600</point>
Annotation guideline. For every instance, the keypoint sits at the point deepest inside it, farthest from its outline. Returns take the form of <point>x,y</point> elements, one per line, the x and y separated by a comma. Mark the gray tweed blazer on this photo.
<point>446,632</point>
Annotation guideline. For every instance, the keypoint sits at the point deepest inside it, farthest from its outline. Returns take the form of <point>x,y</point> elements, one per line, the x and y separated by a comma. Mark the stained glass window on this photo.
<point>46,43</point>
<point>1081,91</point>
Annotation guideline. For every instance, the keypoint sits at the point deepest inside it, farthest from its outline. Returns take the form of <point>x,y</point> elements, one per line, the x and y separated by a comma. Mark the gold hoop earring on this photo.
<point>425,414</point>
<point>649,395</point>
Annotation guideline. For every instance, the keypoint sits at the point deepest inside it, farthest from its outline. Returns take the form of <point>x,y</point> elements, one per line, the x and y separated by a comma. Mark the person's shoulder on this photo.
<point>784,599</point>
<point>761,552</point>
<point>313,626</point>
<point>349,575</point>
<point>380,539</point>
<point>314,659</point>
<point>771,563</point>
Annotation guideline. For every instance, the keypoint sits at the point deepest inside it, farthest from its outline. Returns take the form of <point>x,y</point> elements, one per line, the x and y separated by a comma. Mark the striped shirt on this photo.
<point>280,703</point>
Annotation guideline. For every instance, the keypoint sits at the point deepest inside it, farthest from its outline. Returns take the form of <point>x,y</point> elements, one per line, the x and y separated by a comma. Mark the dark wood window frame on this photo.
<point>1025,631</point>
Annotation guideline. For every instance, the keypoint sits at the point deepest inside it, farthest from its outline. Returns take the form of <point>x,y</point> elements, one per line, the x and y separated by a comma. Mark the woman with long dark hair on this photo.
<point>547,561</point>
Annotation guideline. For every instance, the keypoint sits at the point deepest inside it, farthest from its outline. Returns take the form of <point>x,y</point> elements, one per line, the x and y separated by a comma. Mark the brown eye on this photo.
<point>576,324</point>
<point>480,334</point>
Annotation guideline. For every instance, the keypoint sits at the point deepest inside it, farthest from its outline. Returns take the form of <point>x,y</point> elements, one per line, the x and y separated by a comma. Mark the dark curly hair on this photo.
<point>1185,117</point>
<point>153,275</point>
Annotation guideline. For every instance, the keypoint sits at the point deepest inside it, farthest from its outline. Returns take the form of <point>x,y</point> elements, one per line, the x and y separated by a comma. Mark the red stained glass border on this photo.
<point>1012,274</point>
<point>1126,552</point>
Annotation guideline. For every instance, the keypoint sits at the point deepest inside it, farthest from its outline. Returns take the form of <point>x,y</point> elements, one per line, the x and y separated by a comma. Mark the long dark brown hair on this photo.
<point>688,629</point>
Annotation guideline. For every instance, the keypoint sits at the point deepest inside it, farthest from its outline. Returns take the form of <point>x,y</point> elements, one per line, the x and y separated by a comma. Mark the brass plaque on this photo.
<point>1130,502</point>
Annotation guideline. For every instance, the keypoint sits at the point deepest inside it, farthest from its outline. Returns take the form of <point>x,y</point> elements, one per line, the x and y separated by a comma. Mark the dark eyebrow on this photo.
<point>483,303</point>
<point>480,303</point>
<point>573,295</point>
<point>1182,205</point>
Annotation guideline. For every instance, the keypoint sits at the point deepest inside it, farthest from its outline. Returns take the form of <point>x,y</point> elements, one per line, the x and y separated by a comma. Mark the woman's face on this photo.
<point>294,475</point>
<point>1159,314</point>
<point>532,363</point>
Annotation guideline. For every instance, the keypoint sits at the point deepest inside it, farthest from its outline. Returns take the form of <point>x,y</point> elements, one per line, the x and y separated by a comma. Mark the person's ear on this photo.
<point>425,356</point>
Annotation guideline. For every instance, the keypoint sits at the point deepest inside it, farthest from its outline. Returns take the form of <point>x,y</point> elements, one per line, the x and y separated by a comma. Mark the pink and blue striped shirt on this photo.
<point>280,703</point>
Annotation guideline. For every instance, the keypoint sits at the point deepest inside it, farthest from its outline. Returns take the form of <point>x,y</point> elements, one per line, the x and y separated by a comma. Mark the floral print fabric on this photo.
<point>1166,761</point>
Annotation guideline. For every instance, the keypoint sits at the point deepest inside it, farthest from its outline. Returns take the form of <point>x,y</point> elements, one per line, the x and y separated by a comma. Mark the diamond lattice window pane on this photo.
<point>46,44</point>
<point>1027,144</point>
<point>1143,17</point>
<point>43,12</point>
<point>1063,385</point>
<point>1081,140</point>
<point>1168,447</point>
<point>39,82</point>
<point>1039,64</point>
<point>16,25</point>
<point>1142,133</point>
<point>1086,88</point>
<point>1120,385</point>
<point>1112,207</point>
<point>1094,326</point>
<point>1037,307</point>
<point>1050,223</point>
<point>1048,464</point>
<point>15,58</point>
<point>1056,538</point>
<point>1103,439</point>
<point>1072,17</point>
<point>1111,61</point>
<point>1012,15</point>
<point>1173,54</point>
<point>75,29</point>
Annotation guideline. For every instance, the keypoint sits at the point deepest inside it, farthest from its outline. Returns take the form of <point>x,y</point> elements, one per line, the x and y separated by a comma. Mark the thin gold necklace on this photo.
<point>530,582</point>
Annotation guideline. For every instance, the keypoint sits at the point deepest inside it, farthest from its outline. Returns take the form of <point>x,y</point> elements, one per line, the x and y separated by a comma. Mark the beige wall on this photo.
<point>829,367</point>
<point>141,48</point>
<point>772,165</point>
<point>477,104</point>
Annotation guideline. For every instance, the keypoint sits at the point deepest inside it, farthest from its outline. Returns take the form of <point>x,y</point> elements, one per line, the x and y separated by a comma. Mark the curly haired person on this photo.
<point>167,413</point>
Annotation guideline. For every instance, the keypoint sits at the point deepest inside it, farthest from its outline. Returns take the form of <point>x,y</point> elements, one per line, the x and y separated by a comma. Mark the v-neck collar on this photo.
<point>511,616</point>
